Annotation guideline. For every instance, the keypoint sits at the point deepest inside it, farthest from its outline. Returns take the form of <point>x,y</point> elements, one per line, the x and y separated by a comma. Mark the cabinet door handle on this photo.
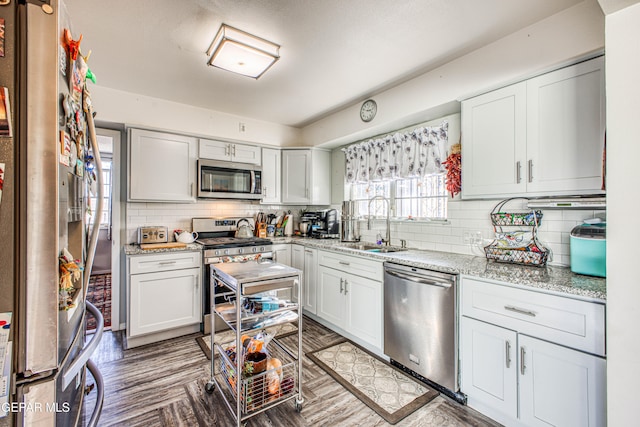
<point>275,256</point>
<point>346,286</point>
<point>191,191</point>
<point>522,365</point>
<point>518,172</point>
<point>520,310</point>
<point>264,191</point>
<point>234,150</point>
<point>166,262</point>
<point>341,285</point>
<point>344,263</point>
<point>530,172</point>
<point>306,192</point>
<point>227,150</point>
<point>197,282</point>
<point>507,349</point>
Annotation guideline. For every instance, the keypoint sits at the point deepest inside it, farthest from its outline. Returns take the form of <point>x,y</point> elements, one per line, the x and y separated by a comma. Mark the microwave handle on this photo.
<point>253,182</point>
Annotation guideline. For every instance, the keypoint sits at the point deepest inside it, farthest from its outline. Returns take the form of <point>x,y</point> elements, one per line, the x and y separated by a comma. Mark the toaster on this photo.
<point>153,234</point>
<point>589,249</point>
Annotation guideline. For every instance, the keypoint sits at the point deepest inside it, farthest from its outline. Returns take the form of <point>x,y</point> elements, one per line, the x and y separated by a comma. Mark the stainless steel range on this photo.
<point>217,235</point>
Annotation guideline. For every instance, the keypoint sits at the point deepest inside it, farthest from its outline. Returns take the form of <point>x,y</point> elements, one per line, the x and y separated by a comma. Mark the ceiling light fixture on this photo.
<point>243,53</point>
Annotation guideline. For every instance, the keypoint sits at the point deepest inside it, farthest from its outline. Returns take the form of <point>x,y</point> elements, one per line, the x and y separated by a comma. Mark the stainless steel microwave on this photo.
<point>227,180</point>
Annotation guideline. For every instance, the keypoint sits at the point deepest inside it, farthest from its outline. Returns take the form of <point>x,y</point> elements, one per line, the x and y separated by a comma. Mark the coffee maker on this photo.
<point>324,224</point>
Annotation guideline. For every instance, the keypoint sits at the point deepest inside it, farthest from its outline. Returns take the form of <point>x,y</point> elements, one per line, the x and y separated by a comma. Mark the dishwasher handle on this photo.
<point>419,279</point>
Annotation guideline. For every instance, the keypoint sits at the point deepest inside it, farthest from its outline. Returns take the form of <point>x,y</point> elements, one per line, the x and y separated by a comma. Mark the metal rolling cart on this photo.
<point>251,297</point>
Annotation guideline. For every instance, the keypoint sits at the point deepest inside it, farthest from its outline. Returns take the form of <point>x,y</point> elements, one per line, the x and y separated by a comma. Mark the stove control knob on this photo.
<point>261,248</point>
<point>226,251</point>
<point>217,252</point>
<point>254,249</point>
<point>240,251</point>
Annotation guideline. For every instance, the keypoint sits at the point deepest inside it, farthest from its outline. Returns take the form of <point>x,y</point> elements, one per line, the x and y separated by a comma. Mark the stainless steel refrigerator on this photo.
<point>46,157</point>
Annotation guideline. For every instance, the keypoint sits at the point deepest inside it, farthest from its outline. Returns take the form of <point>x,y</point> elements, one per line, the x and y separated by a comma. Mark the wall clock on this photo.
<point>368,110</point>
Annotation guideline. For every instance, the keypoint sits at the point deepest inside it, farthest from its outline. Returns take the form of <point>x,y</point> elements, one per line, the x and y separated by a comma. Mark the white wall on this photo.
<point>555,41</point>
<point>117,106</point>
<point>623,181</point>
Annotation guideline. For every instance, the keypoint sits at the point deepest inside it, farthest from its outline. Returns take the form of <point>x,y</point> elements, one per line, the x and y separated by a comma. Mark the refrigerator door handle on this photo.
<point>81,360</point>
<point>97,410</point>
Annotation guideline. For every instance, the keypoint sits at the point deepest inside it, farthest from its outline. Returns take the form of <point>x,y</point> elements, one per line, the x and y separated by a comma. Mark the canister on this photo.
<point>589,249</point>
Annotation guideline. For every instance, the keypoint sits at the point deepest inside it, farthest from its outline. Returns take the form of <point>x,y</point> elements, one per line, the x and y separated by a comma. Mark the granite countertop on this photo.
<point>134,249</point>
<point>552,279</point>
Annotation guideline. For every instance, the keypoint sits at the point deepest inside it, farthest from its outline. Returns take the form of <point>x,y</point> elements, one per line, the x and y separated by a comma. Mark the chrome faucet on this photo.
<point>387,239</point>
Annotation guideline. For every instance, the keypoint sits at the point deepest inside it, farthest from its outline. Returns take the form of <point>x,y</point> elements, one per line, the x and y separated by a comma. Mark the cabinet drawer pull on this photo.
<point>508,351</point>
<point>341,285</point>
<point>530,172</point>
<point>520,310</point>
<point>166,262</point>
<point>522,365</point>
<point>309,251</point>
<point>344,263</point>
<point>518,172</point>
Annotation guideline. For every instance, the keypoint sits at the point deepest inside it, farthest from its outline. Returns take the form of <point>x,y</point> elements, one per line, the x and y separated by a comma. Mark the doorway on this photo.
<point>104,282</point>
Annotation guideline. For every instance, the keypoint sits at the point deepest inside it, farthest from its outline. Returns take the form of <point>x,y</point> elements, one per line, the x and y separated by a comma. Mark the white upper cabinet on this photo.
<point>494,146</point>
<point>306,177</point>
<point>229,151</point>
<point>565,129</point>
<point>271,176</point>
<point>541,137</point>
<point>161,167</point>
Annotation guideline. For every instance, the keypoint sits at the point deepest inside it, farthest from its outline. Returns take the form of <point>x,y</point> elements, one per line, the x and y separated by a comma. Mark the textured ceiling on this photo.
<point>334,52</point>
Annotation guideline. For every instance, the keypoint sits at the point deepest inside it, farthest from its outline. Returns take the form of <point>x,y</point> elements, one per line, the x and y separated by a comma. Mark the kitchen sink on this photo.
<point>377,248</point>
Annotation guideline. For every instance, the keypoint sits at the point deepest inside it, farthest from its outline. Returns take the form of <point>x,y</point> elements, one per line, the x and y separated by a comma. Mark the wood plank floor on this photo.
<point>162,384</point>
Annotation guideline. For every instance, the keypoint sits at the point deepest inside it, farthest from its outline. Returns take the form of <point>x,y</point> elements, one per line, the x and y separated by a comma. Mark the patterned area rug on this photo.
<point>384,388</point>
<point>280,331</point>
<point>99,294</point>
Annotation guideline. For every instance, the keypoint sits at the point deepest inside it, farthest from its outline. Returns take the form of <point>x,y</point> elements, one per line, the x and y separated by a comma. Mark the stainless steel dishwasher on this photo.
<point>420,330</point>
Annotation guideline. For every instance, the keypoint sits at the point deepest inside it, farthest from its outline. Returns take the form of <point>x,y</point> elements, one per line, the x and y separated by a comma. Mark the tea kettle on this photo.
<point>186,237</point>
<point>244,231</point>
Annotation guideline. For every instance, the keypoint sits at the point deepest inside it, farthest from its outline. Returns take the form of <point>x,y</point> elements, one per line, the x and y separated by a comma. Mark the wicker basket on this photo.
<point>531,255</point>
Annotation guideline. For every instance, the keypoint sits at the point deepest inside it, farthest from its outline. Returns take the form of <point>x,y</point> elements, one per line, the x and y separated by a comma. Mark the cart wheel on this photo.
<point>298,405</point>
<point>209,387</point>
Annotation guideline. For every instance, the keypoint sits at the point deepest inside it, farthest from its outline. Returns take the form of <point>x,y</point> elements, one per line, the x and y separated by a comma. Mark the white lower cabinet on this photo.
<point>518,379</point>
<point>352,303</point>
<point>164,300</point>
<point>560,386</point>
<point>488,366</point>
<point>305,259</point>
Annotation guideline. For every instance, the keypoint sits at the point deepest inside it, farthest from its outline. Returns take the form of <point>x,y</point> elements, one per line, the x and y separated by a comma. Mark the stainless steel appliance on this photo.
<point>48,252</point>
<point>227,180</point>
<point>153,234</point>
<point>420,331</point>
<point>349,224</point>
<point>324,223</point>
<point>220,246</point>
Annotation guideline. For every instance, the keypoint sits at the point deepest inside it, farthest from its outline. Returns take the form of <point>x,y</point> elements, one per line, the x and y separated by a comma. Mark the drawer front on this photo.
<point>350,264</point>
<point>566,321</point>
<point>164,262</point>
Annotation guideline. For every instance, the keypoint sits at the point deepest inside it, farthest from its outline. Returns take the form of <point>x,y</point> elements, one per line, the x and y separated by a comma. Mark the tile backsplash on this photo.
<point>177,216</point>
<point>465,220</point>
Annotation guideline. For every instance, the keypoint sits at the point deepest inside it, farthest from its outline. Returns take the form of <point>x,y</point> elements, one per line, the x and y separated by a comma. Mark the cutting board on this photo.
<point>170,245</point>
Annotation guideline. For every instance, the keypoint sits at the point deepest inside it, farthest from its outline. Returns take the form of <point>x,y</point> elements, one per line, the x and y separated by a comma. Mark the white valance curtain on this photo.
<point>401,155</point>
